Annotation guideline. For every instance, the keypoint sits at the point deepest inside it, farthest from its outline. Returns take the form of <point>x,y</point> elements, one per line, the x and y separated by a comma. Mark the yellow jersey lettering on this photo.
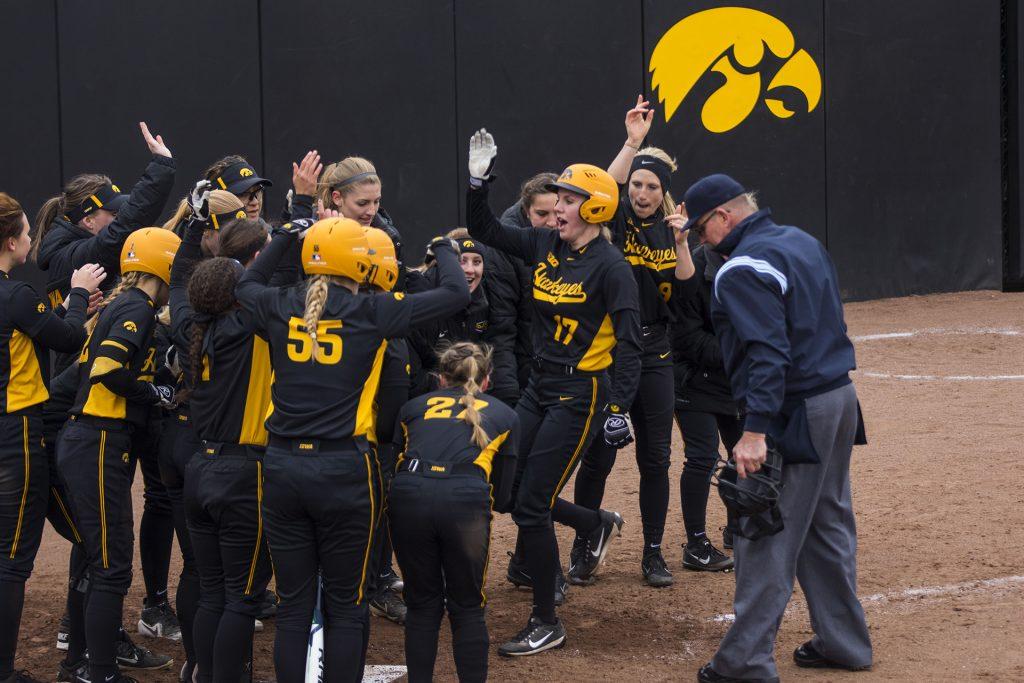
<point>556,291</point>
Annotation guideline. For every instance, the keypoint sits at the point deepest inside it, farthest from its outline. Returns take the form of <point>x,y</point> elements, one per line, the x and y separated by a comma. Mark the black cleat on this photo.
<point>74,673</point>
<point>269,607</point>
<point>390,606</point>
<point>392,580</point>
<point>160,621</point>
<point>807,657</point>
<point>701,556</point>
<point>656,572</point>
<point>583,571</point>
<point>579,548</point>
<point>709,675</point>
<point>135,656</point>
<point>535,638</point>
<point>188,672</point>
<point>517,576</point>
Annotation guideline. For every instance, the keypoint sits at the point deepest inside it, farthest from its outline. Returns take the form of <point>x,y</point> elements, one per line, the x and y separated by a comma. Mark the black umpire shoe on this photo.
<point>701,556</point>
<point>582,573</point>
<point>536,637</point>
<point>709,675</point>
<point>656,572</point>
<point>807,657</point>
<point>517,576</point>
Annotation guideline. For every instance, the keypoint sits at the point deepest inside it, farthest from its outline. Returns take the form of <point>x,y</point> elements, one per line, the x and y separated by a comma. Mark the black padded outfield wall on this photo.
<point>873,125</point>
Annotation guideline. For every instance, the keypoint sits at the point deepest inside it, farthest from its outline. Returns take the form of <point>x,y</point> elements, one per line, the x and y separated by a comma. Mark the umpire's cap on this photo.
<point>708,193</point>
<point>237,178</point>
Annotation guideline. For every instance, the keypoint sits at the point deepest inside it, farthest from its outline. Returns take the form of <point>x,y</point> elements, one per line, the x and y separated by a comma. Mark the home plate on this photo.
<point>382,673</point>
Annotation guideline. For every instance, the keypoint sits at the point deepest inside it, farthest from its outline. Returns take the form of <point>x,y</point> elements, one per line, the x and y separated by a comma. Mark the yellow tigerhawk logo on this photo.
<point>41,307</point>
<point>240,213</point>
<point>731,41</point>
<point>246,172</point>
<point>556,291</point>
<point>130,326</point>
<point>468,244</point>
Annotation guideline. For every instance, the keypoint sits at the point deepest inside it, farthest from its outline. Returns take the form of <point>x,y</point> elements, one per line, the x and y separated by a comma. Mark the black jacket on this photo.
<point>514,215</point>
<point>701,382</point>
<point>66,246</point>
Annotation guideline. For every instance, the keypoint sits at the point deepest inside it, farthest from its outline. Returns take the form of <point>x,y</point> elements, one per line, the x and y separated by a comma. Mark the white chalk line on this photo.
<point>1003,331</point>
<point>382,673</point>
<point>954,589</point>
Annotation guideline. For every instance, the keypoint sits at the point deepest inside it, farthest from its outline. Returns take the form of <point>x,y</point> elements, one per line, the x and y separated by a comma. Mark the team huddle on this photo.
<point>308,406</point>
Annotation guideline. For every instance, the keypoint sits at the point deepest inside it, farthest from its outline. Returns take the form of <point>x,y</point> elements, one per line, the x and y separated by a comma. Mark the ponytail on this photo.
<point>76,191</point>
<point>183,212</point>
<point>316,299</point>
<point>211,293</point>
<point>467,365</point>
<point>127,282</point>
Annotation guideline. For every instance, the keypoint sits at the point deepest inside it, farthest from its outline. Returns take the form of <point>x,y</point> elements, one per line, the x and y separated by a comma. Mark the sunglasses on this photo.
<point>253,194</point>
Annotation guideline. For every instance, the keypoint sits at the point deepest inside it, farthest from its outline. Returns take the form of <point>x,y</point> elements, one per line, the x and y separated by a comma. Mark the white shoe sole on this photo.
<point>156,632</point>
<point>257,625</point>
<point>555,644</point>
<point>62,641</point>
<point>612,535</point>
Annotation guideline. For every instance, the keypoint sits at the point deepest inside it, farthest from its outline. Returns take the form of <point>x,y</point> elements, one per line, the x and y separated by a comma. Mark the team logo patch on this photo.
<point>399,296</point>
<point>468,244</point>
<point>732,43</point>
<point>316,253</point>
<point>41,307</point>
<point>240,214</point>
<point>115,188</point>
<point>566,174</point>
<point>552,260</point>
<point>130,326</point>
<point>246,172</point>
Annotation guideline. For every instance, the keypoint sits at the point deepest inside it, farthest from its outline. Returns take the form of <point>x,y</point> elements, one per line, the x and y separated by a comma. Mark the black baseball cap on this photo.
<point>108,197</point>
<point>237,178</point>
<point>708,193</point>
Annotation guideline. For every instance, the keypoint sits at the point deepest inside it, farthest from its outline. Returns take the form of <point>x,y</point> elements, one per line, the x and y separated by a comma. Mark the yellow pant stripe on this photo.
<point>579,446</point>
<point>369,536</point>
<point>103,503</point>
<point>64,511</point>
<point>487,551</point>
<point>24,490</point>
<point>259,526</point>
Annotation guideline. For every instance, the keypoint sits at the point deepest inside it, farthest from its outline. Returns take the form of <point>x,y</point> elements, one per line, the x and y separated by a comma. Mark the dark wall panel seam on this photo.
<point>60,114</point>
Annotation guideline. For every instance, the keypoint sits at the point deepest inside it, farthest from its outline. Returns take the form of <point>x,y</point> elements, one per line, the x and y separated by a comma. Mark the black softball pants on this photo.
<point>156,528</point>
<point>441,528</point>
<point>177,446</point>
<point>559,415</point>
<point>700,432</point>
<point>223,493</point>
<point>651,414</point>
<point>320,509</point>
<point>93,459</point>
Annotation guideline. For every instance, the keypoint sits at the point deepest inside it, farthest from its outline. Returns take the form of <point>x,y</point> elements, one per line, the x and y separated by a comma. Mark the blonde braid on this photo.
<point>469,400</point>
<point>316,299</point>
<point>127,282</point>
<point>468,365</point>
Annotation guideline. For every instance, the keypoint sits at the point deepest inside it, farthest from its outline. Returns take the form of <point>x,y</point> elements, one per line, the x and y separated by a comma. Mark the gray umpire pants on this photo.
<point>818,546</point>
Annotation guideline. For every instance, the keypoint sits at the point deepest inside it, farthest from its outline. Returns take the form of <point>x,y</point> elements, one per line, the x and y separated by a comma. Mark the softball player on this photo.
<point>585,305</point>
<point>228,378</point>
<point>28,329</point>
<point>321,485</point>
<point>115,392</point>
<point>459,450</point>
<point>383,585</point>
<point>647,228</point>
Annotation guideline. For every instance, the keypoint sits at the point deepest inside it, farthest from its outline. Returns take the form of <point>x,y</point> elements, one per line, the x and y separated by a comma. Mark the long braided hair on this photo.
<point>211,293</point>
<point>128,281</point>
<point>316,299</point>
<point>467,365</point>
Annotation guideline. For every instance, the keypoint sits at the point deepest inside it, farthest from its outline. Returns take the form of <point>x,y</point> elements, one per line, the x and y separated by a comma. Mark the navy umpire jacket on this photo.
<point>778,316</point>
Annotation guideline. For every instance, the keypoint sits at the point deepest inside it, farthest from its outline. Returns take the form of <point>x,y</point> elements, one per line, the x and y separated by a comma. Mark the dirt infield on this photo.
<point>940,509</point>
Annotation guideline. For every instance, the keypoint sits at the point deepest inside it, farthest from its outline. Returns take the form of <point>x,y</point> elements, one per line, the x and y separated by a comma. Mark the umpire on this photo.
<point>777,313</point>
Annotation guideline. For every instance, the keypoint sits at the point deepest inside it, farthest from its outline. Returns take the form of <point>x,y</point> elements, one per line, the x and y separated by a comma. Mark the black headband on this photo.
<point>655,166</point>
<point>354,179</point>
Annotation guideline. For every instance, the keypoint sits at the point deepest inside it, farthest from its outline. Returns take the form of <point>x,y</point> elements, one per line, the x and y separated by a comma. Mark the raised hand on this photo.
<point>199,200</point>
<point>482,152</point>
<point>638,122</point>
<point>156,145</point>
<point>306,173</point>
<point>88,277</point>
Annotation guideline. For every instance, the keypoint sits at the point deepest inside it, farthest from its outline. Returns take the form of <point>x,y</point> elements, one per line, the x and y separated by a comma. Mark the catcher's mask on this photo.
<point>754,500</point>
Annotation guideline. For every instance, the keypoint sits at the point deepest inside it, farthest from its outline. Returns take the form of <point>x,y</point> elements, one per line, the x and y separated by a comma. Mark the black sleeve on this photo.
<point>692,340</point>
<point>302,207</point>
<point>188,255</point>
<point>398,313</point>
<point>485,227</point>
<point>252,288</point>
<point>129,332</point>
<point>33,317</point>
<point>620,291</point>
<point>503,468</point>
<point>288,271</point>
<point>143,208</point>
<point>503,294</point>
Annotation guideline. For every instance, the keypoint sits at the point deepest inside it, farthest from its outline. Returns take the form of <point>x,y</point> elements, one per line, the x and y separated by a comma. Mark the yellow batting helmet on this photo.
<point>596,184</point>
<point>384,263</point>
<point>336,246</point>
<point>150,250</point>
